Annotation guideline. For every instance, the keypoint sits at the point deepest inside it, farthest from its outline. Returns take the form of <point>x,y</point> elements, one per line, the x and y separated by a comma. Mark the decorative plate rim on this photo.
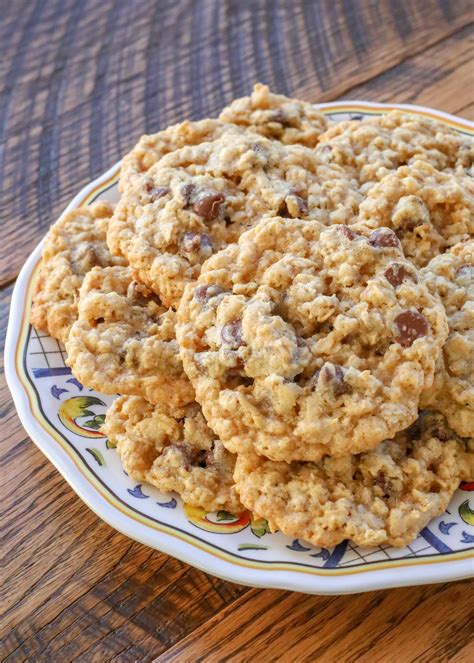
<point>406,571</point>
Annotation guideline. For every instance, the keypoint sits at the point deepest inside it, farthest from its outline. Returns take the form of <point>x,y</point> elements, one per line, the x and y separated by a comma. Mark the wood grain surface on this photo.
<point>80,81</point>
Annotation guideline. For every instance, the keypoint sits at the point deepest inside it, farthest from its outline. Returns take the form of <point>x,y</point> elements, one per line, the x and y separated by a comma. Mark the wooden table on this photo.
<point>80,80</point>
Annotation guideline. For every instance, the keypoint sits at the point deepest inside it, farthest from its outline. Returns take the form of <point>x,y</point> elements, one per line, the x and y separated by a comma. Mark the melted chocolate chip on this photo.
<point>203,293</point>
<point>156,192</point>
<point>384,238</point>
<point>247,382</point>
<point>411,325</point>
<point>187,192</point>
<point>335,377</point>
<point>347,232</point>
<point>196,243</point>
<point>231,334</point>
<point>208,205</point>
<point>396,273</point>
<point>99,321</point>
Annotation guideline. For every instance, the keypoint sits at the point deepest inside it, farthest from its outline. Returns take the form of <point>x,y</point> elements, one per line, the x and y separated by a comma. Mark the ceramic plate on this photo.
<point>63,418</point>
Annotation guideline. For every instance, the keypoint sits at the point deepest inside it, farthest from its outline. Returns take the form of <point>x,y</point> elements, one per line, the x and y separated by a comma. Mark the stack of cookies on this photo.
<point>286,306</point>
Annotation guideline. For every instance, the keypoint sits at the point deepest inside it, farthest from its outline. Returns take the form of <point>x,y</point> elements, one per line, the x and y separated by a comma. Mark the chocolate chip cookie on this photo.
<point>303,340</point>
<point>277,117</point>
<point>369,149</point>
<point>428,210</point>
<point>174,450</point>
<point>385,496</point>
<point>73,246</point>
<point>150,148</point>
<point>272,115</point>
<point>198,199</point>
<point>124,340</point>
<point>451,276</point>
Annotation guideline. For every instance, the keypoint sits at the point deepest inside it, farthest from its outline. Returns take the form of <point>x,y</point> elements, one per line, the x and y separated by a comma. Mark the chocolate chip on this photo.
<point>196,243</point>
<point>334,375</point>
<point>411,325</point>
<point>247,382</point>
<point>156,192</point>
<point>383,238</point>
<point>396,273</point>
<point>208,205</point>
<point>203,293</point>
<point>187,192</point>
<point>347,232</point>
<point>99,321</point>
<point>231,334</point>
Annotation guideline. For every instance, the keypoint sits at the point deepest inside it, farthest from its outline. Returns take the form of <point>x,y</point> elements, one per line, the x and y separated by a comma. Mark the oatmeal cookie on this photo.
<point>272,115</point>
<point>428,210</point>
<point>302,340</point>
<point>385,496</point>
<point>198,199</point>
<point>369,149</point>
<point>451,276</point>
<point>124,340</point>
<point>174,450</point>
<point>277,117</point>
<point>74,245</point>
<point>150,148</point>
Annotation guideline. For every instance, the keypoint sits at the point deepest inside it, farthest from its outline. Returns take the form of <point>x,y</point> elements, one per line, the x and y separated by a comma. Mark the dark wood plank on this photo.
<point>467,111</point>
<point>442,77</point>
<point>420,624</point>
<point>82,80</point>
<point>73,588</point>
